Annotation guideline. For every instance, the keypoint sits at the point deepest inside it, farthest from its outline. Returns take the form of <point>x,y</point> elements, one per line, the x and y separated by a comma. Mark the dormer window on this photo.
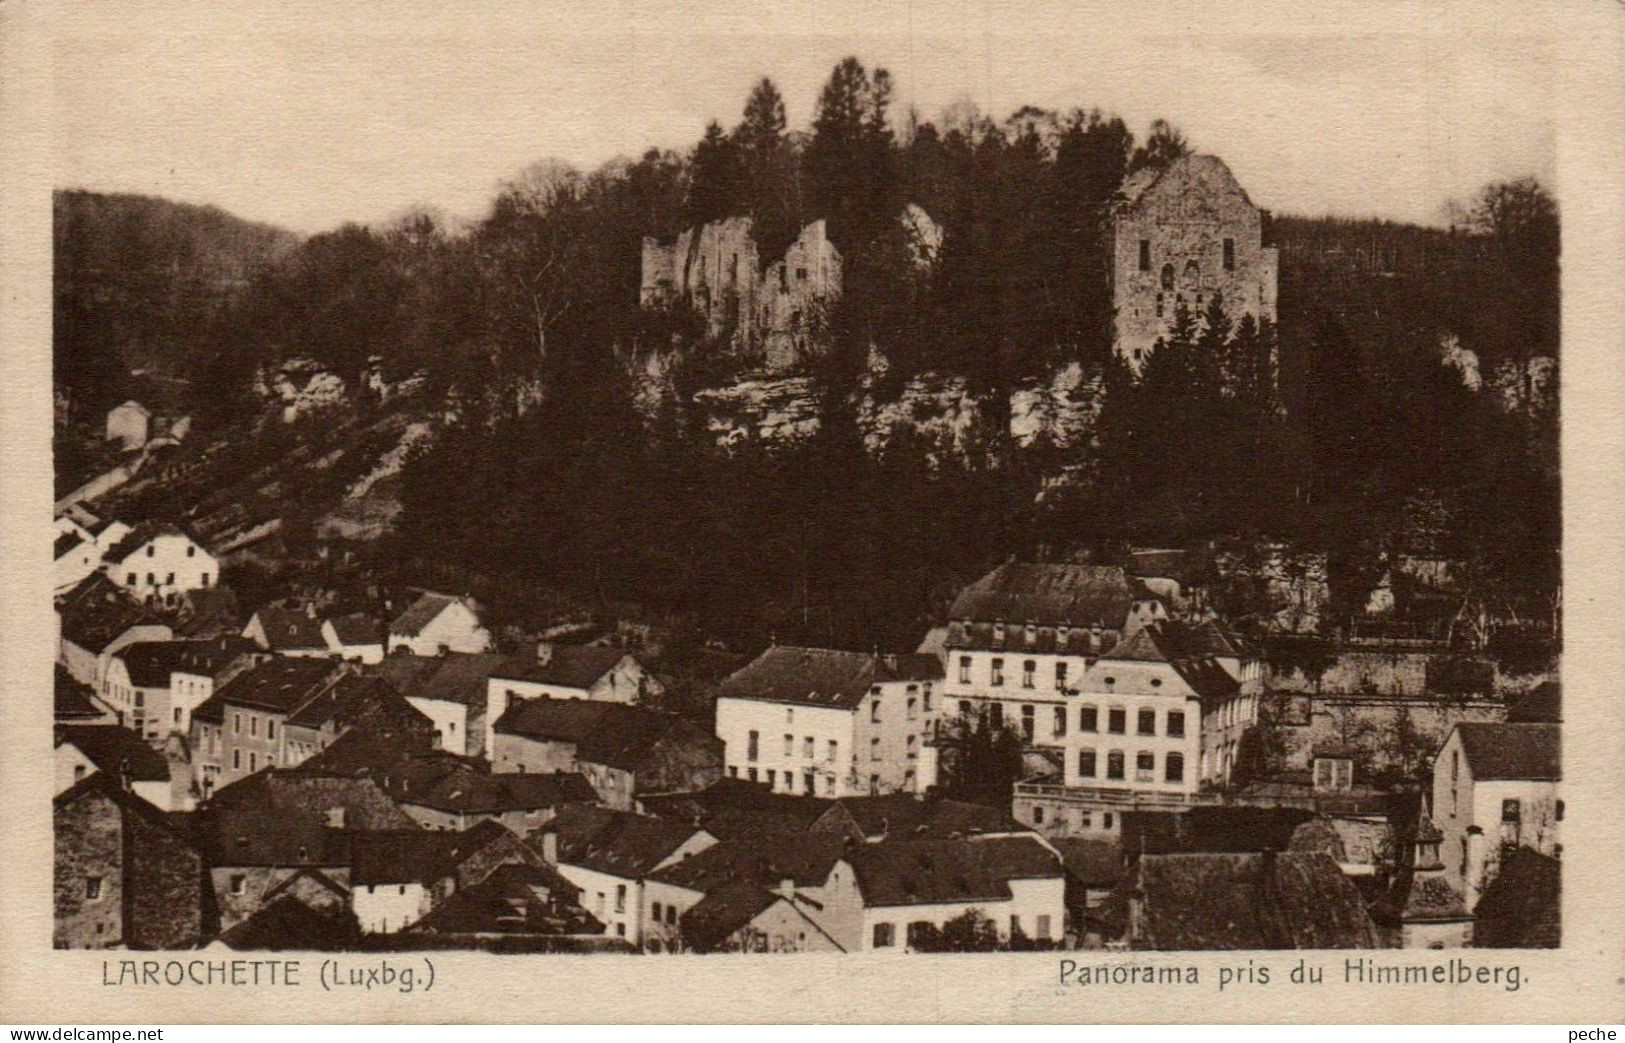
<point>998,631</point>
<point>1061,638</point>
<point>1032,633</point>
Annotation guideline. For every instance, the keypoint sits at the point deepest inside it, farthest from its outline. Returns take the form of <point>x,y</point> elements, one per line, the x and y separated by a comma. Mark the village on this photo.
<point>1080,753</point>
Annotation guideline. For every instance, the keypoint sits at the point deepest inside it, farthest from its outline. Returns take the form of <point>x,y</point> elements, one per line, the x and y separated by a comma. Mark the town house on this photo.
<point>450,689</point>
<point>821,722</point>
<point>556,671</point>
<point>609,854</point>
<point>83,750</point>
<point>1020,638</point>
<point>240,728</point>
<point>356,637</point>
<point>1496,788</point>
<point>157,563</point>
<point>436,623</point>
<point>95,620</point>
<point>623,751</point>
<point>287,631</point>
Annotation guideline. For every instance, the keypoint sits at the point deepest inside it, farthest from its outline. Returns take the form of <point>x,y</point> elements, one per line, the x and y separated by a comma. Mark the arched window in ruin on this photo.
<point>1193,272</point>
<point>1167,276</point>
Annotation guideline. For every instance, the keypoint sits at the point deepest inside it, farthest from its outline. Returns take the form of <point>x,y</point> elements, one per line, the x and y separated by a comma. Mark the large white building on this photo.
<point>1020,639</point>
<point>1496,787</point>
<point>821,722</point>
<point>436,623</point>
<point>158,563</point>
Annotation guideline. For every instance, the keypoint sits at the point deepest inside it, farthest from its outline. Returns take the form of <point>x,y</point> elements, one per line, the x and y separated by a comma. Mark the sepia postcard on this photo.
<point>910,512</point>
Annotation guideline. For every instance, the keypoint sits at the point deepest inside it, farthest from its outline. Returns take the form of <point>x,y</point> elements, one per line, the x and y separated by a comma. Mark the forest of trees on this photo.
<point>824,541</point>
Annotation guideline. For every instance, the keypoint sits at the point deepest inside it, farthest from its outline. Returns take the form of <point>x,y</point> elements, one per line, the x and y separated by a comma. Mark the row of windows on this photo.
<point>808,746</point>
<point>1029,674</point>
<point>1086,818</point>
<point>191,551</point>
<point>809,780</point>
<point>253,760</point>
<point>1145,766</point>
<point>670,911</point>
<point>253,726</point>
<point>131,579</point>
<point>1088,720</point>
<point>1192,269</point>
<point>884,935</point>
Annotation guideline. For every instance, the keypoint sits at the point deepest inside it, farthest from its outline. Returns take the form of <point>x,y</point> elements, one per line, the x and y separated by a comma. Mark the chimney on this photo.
<point>550,846</point>
<point>544,652</point>
<point>335,818</point>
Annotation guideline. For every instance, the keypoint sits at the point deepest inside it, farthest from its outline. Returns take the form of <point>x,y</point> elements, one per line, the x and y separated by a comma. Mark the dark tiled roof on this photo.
<point>209,608</point>
<point>513,899</point>
<point>149,663</point>
<point>616,842</point>
<point>1541,705</point>
<point>724,910</point>
<point>458,677</point>
<point>1523,906</point>
<point>65,544</point>
<point>104,785</point>
<point>1091,862</point>
<point>287,923</point>
<point>466,788</point>
<point>764,858</point>
<point>915,872</point>
<point>734,807</point>
<point>903,816</point>
<point>420,614</point>
<point>279,685</point>
<point>349,700</point>
<point>358,628</point>
<point>1512,751</point>
<point>1071,595</point>
<point>139,536</point>
<point>823,676</point>
<point>281,818</point>
<point>74,699</point>
<point>568,666</point>
<point>400,856</point>
<point>612,734</point>
<point>1183,648</point>
<point>114,749</point>
<point>1248,901</point>
<point>290,630</point>
<point>97,612</point>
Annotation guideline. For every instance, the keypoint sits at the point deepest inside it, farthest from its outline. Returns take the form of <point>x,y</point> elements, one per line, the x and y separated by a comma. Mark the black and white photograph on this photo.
<point>956,479</point>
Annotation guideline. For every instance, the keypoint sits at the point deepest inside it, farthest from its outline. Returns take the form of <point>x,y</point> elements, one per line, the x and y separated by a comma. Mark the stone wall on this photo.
<point>89,843</point>
<point>166,908</point>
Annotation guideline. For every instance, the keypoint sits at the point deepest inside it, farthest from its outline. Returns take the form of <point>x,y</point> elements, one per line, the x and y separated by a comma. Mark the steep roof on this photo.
<point>763,858</point>
<point>824,676</point>
<point>1182,647</point>
<point>350,699</point>
<point>278,685</point>
<point>143,534</point>
<point>149,663</point>
<point>114,749</point>
<point>357,628</point>
<point>208,609</point>
<point>613,734</point>
<point>733,807</point>
<point>1512,751</point>
<point>421,613</point>
<point>65,545</point>
<point>1247,901</point>
<point>1523,906</point>
<point>457,677</point>
<point>515,899</point>
<point>281,817</point>
<point>905,816</point>
<point>473,791</point>
<point>101,784</point>
<point>1067,594</point>
<point>287,923</point>
<point>915,872</point>
<point>567,666</point>
<point>97,612</point>
<point>709,922</point>
<point>1091,862</point>
<point>619,843</point>
<point>290,630</point>
<point>1541,705</point>
<point>73,699</point>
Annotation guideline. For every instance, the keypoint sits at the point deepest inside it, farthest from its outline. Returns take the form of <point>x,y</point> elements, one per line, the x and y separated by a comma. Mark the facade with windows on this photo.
<point>1022,638</point>
<point>1496,788</point>
<point>1185,234</point>
<point>156,565</point>
<point>828,723</point>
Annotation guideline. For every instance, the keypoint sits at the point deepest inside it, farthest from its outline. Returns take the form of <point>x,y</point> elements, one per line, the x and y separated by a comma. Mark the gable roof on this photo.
<point>914,872</point>
<point>730,908</point>
<point>357,628</point>
<point>290,630</point>
<point>279,685</point>
<point>612,734</point>
<point>567,666</point>
<point>418,615</point>
<point>352,698</point>
<point>1089,861</point>
<point>763,857</point>
<point>619,843</point>
<point>65,545</point>
<point>1297,900</point>
<point>101,784</point>
<point>1182,647</point>
<point>150,663</point>
<point>733,807</point>
<point>514,898</point>
<point>73,699</point>
<point>1512,751</point>
<point>824,676</point>
<point>905,816</point>
<point>281,817</point>
<point>1051,594</point>
<point>114,749</point>
<point>97,612</point>
<point>287,923</point>
<point>1141,184</point>
<point>457,677</point>
<point>143,534</point>
<point>1543,704</point>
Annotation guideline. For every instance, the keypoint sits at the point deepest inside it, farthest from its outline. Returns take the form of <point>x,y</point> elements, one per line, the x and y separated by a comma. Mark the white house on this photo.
<point>1017,882</point>
<point>157,563</point>
<point>128,424</point>
<point>95,620</point>
<point>83,749</point>
<point>354,638</point>
<point>609,854</point>
<point>287,631</point>
<point>435,623</point>
<point>448,689</point>
<point>1020,638</point>
<point>1496,787</point>
<point>554,671</point>
<point>822,722</point>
